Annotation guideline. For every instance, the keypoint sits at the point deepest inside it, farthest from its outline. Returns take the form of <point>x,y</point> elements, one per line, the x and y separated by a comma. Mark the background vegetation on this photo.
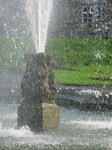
<point>12,51</point>
<point>68,53</point>
<point>78,61</point>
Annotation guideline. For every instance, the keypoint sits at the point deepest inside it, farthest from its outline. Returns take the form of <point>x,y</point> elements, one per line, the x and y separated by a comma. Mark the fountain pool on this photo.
<point>78,130</point>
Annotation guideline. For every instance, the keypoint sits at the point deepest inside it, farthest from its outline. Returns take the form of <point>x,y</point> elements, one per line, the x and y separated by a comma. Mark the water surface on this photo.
<point>78,130</point>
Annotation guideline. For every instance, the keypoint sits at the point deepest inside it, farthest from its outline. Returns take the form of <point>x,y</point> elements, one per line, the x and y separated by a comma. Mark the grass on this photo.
<point>71,52</point>
<point>76,59</point>
<point>84,76</point>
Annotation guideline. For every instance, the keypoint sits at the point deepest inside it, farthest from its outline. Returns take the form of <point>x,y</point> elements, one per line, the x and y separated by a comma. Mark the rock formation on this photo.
<point>38,87</point>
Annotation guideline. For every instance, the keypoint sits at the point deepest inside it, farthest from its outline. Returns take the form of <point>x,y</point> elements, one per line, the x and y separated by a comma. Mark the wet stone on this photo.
<point>38,87</point>
<point>84,99</point>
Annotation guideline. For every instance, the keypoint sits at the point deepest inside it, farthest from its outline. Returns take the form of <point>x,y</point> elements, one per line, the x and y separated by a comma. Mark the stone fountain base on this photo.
<point>50,116</point>
<point>38,118</point>
<point>85,98</point>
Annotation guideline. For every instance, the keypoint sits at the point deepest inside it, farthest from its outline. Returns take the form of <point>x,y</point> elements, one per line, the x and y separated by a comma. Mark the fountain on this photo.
<point>77,129</point>
<point>38,110</point>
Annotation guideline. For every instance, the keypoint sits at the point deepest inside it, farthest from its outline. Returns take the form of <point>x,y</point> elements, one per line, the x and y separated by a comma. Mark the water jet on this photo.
<point>38,14</point>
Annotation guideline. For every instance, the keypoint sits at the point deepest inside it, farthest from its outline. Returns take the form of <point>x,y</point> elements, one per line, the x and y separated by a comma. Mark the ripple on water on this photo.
<point>77,130</point>
<point>90,124</point>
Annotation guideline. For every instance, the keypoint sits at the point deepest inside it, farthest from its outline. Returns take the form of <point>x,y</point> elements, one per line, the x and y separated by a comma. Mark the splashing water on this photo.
<point>77,130</point>
<point>38,13</point>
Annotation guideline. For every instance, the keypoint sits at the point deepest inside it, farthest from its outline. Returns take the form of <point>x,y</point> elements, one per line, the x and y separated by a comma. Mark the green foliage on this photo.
<point>71,52</point>
<point>84,75</point>
<point>13,50</point>
<point>82,57</point>
<point>76,59</point>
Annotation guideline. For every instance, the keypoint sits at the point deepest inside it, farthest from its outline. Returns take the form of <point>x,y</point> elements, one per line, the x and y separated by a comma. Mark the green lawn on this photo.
<point>76,59</point>
<point>71,52</point>
<point>82,75</point>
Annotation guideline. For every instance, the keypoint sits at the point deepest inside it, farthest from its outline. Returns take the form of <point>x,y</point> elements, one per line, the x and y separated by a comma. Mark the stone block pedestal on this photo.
<point>50,116</point>
<point>38,117</point>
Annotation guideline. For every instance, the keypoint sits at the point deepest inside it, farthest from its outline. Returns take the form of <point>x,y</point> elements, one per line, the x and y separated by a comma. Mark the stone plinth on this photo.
<point>38,118</point>
<point>50,116</point>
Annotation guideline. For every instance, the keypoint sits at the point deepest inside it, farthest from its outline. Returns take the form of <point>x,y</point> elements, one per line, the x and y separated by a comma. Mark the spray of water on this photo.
<point>38,13</point>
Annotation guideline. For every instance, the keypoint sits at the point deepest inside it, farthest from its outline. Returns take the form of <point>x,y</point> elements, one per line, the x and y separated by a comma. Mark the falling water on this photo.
<point>38,13</point>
